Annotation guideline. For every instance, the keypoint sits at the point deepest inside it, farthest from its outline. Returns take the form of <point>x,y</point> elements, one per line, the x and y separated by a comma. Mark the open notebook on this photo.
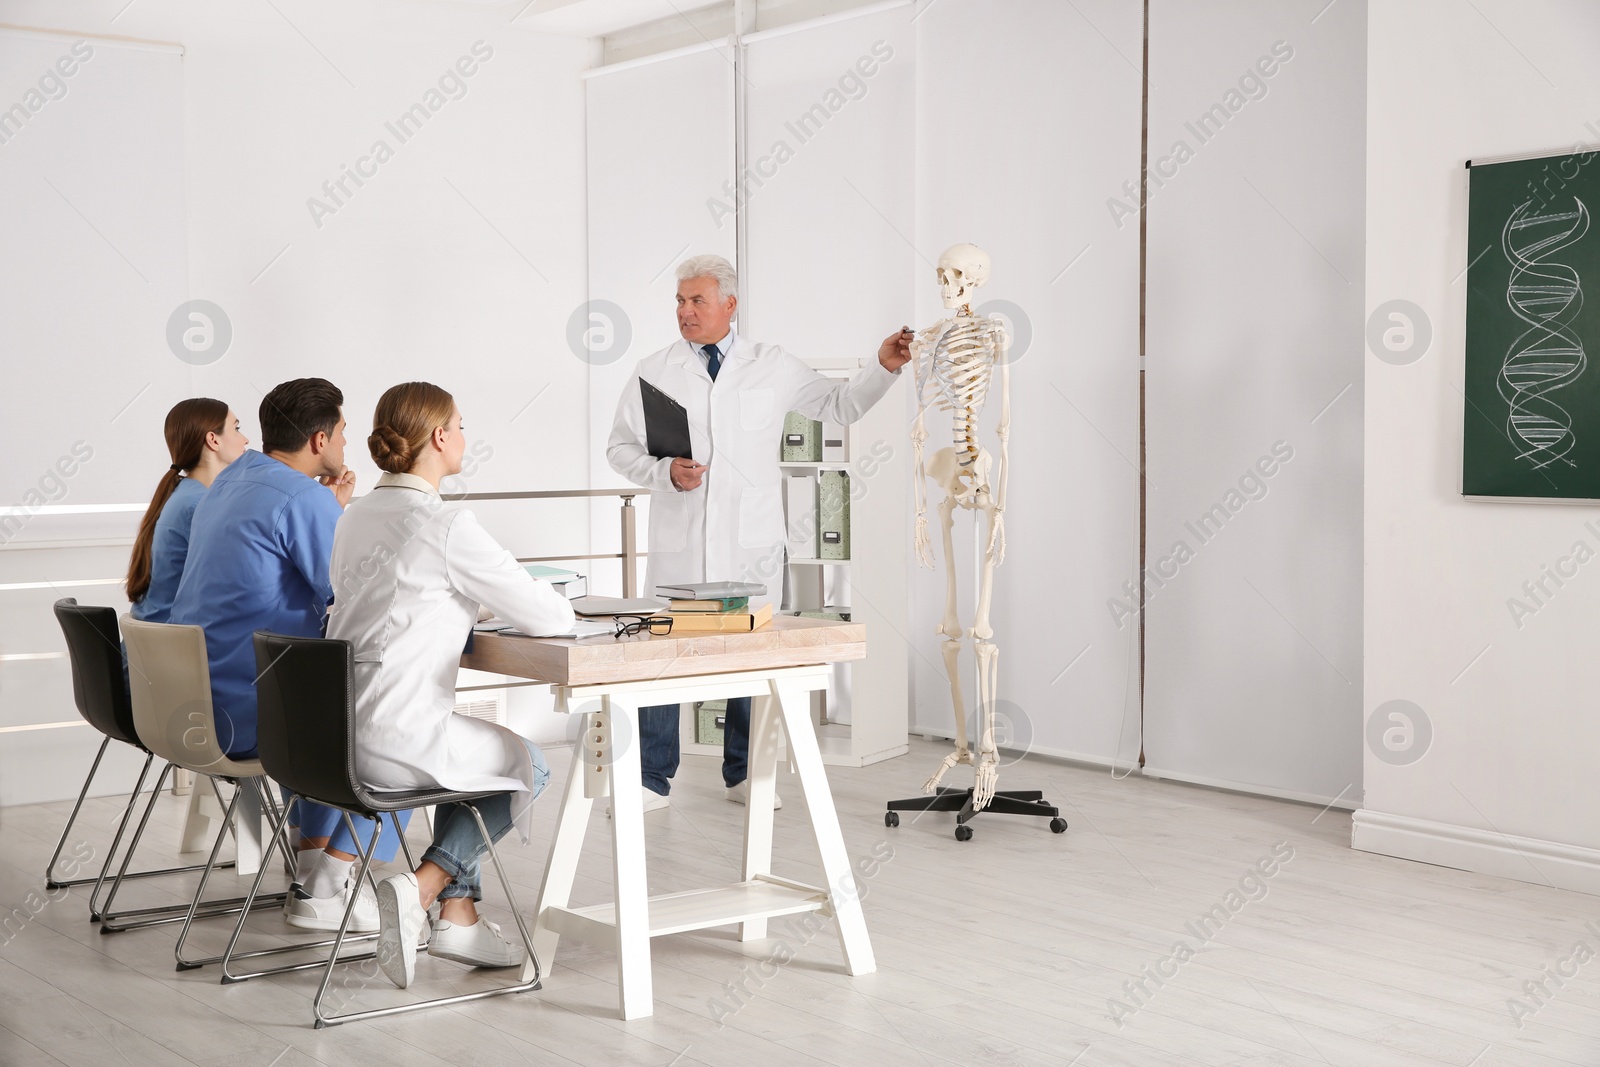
<point>580,628</point>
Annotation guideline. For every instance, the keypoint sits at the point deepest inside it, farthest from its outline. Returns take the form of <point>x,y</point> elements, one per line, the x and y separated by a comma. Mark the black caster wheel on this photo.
<point>963,832</point>
<point>1058,826</point>
<point>891,819</point>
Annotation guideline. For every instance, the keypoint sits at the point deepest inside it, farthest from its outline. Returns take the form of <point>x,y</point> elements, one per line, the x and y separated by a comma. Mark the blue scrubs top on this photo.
<point>259,548</point>
<point>168,550</point>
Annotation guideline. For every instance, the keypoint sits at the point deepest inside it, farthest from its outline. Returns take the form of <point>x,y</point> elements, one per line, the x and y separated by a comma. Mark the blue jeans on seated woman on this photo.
<point>458,844</point>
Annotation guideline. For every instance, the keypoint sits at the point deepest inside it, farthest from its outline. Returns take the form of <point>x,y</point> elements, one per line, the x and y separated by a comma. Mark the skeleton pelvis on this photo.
<point>961,483</point>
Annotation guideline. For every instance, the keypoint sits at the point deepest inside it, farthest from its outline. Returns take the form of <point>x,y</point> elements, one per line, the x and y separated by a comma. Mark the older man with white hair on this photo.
<point>717,515</point>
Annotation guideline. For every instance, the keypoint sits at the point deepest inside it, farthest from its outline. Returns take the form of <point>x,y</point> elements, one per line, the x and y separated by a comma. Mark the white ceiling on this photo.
<point>597,18</point>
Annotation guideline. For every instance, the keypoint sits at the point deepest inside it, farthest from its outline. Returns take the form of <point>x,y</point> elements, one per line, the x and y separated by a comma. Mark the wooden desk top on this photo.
<point>787,641</point>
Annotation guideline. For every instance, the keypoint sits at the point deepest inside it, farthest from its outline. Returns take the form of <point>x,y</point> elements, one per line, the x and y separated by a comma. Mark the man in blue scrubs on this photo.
<point>259,550</point>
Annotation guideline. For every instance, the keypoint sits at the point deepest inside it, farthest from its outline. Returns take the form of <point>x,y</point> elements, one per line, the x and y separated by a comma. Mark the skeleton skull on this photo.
<point>962,269</point>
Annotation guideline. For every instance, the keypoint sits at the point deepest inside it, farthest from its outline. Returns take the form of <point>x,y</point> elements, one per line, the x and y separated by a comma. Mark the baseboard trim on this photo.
<point>1348,801</point>
<point>1525,859</point>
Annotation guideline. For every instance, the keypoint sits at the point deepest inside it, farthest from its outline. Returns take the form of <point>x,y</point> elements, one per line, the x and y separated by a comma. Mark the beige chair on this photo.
<point>170,686</point>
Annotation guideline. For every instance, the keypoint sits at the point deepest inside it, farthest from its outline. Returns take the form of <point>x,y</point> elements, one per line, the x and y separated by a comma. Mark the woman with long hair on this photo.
<point>203,437</point>
<point>410,574</point>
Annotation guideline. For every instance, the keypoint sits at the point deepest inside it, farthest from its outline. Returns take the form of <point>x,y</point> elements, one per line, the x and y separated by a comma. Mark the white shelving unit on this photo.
<point>862,717</point>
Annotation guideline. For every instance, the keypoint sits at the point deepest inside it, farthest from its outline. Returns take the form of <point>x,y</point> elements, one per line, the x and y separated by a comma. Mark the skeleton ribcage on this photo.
<point>962,365</point>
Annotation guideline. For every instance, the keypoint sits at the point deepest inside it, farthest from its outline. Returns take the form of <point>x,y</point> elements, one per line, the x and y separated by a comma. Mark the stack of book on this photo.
<point>569,583</point>
<point>720,607</point>
<point>724,604</point>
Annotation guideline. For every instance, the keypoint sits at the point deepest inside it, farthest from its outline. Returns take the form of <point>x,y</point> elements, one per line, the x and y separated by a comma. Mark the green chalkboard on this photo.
<point>1532,412</point>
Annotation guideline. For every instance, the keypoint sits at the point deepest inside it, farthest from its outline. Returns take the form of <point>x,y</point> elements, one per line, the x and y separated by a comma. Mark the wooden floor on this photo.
<point>1017,947</point>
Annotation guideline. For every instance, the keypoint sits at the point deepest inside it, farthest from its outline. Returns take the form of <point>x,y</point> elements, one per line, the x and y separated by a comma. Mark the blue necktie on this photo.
<point>713,360</point>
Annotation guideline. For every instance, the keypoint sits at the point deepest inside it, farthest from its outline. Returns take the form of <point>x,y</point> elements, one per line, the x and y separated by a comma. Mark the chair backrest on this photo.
<point>99,680</point>
<point>304,717</point>
<point>169,679</point>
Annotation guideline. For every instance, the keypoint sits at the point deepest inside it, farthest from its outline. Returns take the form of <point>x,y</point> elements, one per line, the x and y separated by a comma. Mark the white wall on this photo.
<point>1506,784</point>
<point>460,261</point>
<point>673,116</point>
<point>1253,620</point>
<point>829,276</point>
<point>94,242</point>
<point>1027,120</point>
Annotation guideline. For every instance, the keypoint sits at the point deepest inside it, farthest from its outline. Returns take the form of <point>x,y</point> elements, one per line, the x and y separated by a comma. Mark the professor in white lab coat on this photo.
<point>718,515</point>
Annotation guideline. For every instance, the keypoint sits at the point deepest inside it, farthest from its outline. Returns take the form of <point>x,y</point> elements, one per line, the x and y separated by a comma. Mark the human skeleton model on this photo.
<point>956,361</point>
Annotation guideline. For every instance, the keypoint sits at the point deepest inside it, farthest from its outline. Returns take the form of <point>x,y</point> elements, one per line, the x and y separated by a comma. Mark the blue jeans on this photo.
<point>658,744</point>
<point>457,842</point>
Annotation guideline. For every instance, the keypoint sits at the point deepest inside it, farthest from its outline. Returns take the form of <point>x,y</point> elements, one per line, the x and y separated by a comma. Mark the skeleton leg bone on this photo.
<point>963,752</point>
<point>986,777</point>
<point>943,469</point>
<point>980,621</point>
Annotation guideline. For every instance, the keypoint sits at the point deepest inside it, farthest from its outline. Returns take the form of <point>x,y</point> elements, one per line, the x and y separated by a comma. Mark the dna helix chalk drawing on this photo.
<point>1548,356</point>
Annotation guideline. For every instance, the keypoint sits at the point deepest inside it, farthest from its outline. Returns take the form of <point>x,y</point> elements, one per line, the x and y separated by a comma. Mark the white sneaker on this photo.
<point>740,794</point>
<point>401,921</point>
<point>652,801</point>
<point>478,945</point>
<point>306,912</point>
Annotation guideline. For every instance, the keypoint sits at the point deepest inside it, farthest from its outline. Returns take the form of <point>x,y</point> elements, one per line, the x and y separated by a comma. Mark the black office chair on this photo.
<point>305,736</point>
<point>100,689</point>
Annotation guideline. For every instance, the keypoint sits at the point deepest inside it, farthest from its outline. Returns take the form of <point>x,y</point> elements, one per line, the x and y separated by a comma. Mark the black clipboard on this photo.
<point>666,424</point>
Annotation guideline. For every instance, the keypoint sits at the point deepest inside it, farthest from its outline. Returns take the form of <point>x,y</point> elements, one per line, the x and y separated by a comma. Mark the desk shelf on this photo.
<point>695,909</point>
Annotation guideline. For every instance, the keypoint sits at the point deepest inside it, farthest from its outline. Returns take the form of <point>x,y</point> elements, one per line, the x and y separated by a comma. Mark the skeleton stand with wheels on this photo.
<point>957,360</point>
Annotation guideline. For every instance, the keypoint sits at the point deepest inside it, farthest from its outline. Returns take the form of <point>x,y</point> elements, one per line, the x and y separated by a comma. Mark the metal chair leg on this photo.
<point>280,839</point>
<point>322,1020</point>
<point>96,910</point>
<point>211,908</point>
<point>116,922</point>
<point>411,863</point>
<point>52,882</point>
<point>50,879</point>
<point>200,890</point>
<point>318,1021</point>
<point>511,897</point>
<point>272,809</point>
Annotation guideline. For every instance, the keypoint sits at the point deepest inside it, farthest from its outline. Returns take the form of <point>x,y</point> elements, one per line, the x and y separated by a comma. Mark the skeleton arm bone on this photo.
<point>924,547</point>
<point>922,360</point>
<point>997,530</point>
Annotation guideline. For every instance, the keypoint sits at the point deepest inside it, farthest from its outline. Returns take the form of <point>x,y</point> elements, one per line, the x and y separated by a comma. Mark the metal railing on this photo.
<point>628,519</point>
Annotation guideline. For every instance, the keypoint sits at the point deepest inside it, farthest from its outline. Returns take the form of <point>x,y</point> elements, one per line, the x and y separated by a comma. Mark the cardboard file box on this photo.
<point>833,515</point>
<point>802,439</point>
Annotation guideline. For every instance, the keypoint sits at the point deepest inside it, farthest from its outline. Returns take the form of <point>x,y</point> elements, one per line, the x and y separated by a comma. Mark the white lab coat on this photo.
<point>409,572</point>
<point>731,528</point>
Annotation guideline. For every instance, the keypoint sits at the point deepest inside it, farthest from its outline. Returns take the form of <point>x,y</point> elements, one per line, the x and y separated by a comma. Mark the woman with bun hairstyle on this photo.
<point>203,437</point>
<point>410,574</point>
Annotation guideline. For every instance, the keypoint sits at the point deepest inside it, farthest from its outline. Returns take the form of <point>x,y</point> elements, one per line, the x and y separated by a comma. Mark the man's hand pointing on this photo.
<point>895,352</point>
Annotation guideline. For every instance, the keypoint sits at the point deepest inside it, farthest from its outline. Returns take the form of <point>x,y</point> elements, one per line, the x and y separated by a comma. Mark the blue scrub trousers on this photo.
<point>315,820</point>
